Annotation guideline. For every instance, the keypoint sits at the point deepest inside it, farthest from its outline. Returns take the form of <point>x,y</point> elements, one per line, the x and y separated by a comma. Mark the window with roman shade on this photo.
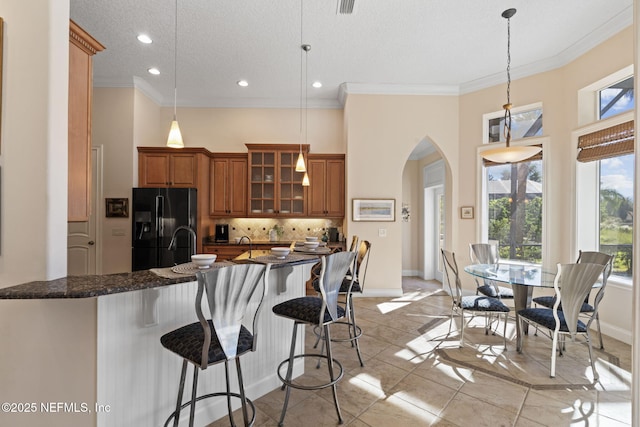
<point>614,141</point>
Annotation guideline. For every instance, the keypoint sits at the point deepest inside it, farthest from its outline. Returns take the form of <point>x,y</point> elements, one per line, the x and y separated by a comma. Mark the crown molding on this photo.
<point>607,30</point>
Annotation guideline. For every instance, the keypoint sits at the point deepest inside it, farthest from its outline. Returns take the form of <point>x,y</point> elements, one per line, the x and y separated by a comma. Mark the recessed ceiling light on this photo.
<point>243,83</point>
<point>317,85</point>
<point>153,71</point>
<point>143,38</point>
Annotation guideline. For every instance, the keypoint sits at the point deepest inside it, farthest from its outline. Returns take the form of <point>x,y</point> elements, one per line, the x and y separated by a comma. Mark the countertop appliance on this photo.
<point>333,234</point>
<point>222,233</point>
<point>157,213</point>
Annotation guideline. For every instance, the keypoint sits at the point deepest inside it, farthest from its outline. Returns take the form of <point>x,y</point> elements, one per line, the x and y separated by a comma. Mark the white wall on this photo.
<point>382,131</point>
<point>411,187</point>
<point>48,347</point>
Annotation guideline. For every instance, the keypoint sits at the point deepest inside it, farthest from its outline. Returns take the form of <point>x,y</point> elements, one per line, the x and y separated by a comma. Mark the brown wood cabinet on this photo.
<point>326,190</point>
<point>228,187</point>
<point>225,252</point>
<point>275,188</point>
<point>179,167</point>
<point>167,169</point>
<point>82,47</point>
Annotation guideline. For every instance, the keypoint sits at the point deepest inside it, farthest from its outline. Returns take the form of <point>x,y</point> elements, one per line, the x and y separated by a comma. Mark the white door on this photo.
<point>440,225</point>
<point>82,247</point>
<point>434,230</point>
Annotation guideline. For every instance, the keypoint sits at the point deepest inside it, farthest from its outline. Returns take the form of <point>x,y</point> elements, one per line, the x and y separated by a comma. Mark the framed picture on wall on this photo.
<point>374,210</point>
<point>466,212</point>
<point>117,208</point>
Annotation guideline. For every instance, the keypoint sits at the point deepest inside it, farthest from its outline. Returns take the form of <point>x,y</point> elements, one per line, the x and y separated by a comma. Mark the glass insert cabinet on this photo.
<point>275,187</point>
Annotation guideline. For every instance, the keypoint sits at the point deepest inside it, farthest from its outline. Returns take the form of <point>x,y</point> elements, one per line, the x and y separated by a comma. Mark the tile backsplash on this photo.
<point>294,228</point>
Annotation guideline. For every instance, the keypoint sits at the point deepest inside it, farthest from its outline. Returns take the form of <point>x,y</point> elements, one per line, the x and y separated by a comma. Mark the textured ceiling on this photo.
<point>408,46</point>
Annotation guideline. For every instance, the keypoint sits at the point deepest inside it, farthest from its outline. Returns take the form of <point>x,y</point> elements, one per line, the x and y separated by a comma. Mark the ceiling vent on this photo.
<point>346,7</point>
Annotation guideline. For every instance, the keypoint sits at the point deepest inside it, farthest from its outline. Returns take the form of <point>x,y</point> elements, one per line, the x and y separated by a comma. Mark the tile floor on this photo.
<point>415,375</point>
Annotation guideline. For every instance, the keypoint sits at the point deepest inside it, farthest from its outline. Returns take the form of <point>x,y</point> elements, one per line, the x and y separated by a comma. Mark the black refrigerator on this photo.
<point>157,213</point>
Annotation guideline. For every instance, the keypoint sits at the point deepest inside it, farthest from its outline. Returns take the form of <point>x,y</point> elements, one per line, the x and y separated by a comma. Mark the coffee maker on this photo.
<point>222,233</point>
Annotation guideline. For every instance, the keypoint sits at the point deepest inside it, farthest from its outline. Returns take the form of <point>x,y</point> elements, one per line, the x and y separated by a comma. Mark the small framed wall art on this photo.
<point>117,208</point>
<point>374,209</point>
<point>466,212</point>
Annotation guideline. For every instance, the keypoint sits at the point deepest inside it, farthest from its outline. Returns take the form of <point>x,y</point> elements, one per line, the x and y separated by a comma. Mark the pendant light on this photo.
<point>509,154</point>
<point>175,136</point>
<point>300,164</point>
<point>306,48</point>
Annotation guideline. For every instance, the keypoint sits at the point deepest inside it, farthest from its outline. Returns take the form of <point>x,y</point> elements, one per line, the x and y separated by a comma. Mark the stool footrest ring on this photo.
<point>220,394</point>
<point>311,387</point>
<point>316,331</point>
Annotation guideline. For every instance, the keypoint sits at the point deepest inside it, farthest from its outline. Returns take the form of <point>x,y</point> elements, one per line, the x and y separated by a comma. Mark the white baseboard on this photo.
<point>380,293</point>
<point>411,273</point>
<point>614,332</point>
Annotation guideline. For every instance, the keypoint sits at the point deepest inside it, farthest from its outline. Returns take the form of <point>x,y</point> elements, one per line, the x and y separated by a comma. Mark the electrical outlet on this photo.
<point>382,232</point>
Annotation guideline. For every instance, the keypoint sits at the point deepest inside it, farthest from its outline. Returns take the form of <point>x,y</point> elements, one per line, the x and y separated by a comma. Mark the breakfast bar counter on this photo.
<point>133,375</point>
<point>90,286</point>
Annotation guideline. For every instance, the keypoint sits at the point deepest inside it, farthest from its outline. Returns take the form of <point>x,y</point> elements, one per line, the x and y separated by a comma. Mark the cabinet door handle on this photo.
<point>91,243</point>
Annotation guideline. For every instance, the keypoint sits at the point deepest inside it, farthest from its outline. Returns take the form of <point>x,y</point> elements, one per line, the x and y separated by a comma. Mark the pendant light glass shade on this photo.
<point>300,166</point>
<point>175,136</point>
<point>305,180</point>
<point>509,154</point>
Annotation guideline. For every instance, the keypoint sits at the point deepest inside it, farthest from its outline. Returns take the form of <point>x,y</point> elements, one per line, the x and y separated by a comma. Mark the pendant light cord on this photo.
<point>507,106</point>
<point>175,66</point>
<point>301,70</point>
<point>306,88</point>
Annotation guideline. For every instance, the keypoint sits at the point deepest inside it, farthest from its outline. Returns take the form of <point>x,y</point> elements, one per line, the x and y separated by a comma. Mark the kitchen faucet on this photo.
<point>172,244</point>
<point>250,243</point>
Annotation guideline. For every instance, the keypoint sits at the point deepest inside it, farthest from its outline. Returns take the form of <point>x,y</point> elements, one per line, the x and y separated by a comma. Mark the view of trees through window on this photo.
<point>616,185</point>
<point>515,209</point>
<point>616,211</point>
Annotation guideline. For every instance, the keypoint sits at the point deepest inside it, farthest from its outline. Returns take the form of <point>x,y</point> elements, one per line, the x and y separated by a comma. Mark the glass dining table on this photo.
<point>522,277</point>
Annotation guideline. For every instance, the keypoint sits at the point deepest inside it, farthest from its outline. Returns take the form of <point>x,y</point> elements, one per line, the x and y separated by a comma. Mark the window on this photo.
<point>605,174</point>
<point>514,198</point>
<point>616,98</point>
<point>524,124</point>
<point>615,195</point>
<point>512,208</point>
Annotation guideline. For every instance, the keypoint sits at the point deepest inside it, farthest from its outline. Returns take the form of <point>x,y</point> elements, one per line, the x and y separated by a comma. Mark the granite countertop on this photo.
<point>99,285</point>
<point>210,241</point>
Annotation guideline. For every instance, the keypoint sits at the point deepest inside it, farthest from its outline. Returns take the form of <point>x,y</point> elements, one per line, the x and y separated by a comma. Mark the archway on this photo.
<point>423,211</point>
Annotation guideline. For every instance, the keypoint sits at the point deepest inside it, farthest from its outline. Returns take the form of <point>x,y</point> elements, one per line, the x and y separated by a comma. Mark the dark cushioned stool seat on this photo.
<point>490,291</point>
<point>548,301</point>
<point>544,317</point>
<point>188,340</point>
<point>344,288</point>
<point>305,309</point>
<point>481,303</point>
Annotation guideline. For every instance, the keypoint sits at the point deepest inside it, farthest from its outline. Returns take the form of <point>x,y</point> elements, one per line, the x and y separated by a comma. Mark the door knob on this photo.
<point>91,243</point>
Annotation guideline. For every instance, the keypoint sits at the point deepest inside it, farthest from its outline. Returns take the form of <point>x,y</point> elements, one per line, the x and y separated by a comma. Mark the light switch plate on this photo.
<point>382,232</point>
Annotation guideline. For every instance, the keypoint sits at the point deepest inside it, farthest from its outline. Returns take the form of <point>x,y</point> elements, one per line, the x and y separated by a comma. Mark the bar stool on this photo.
<point>352,282</point>
<point>321,311</point>
<point>222,338</point>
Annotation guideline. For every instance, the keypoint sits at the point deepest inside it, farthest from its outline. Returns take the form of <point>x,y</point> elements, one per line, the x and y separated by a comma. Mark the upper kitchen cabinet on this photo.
<point>228,186</point>
<point>179,167</point>
<point>82,47</point>
<point>169,167</point>
<point>275,188</point>
<point>326,185</point>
